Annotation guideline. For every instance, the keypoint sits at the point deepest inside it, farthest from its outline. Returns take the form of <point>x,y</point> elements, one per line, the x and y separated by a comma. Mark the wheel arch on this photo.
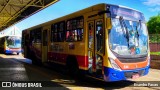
<point>72,58</point>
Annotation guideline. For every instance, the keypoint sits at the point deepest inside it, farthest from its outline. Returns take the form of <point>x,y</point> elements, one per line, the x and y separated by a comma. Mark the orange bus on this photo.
<point>107,42</point>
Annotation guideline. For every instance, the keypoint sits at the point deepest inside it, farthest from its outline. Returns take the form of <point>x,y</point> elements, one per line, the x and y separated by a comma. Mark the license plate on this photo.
<point>135,76</point>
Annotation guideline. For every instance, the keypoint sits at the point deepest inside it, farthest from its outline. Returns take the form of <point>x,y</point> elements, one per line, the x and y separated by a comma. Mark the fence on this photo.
<point>155,46</point>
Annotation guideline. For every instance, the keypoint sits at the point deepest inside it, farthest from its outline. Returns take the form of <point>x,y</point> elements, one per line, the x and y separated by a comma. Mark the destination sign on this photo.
<point>126,13</point>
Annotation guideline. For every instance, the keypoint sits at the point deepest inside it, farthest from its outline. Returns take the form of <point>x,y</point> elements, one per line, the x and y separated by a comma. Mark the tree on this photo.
<point>154,25</point>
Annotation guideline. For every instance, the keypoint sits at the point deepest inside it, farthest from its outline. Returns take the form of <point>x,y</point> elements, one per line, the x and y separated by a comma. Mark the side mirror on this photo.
<point>109,24</point>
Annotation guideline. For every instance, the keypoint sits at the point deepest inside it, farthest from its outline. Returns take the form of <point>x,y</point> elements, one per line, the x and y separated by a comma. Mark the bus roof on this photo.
<point>100,4</point>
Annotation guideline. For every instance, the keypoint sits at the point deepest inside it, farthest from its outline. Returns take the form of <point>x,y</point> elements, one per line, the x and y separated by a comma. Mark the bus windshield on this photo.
<point>13,42</point>
<point>128,37</point>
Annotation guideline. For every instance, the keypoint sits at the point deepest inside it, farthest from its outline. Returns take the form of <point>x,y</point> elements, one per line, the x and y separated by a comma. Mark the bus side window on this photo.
<point>38,36</point>
<point>74,29</point>
<point>52,32</point>
<point>35,36</point>
<point>61,34</point>
<point>57,32</point>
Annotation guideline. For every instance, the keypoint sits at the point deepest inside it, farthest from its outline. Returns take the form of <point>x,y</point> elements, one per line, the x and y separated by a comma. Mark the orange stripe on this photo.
<point>129,66</point>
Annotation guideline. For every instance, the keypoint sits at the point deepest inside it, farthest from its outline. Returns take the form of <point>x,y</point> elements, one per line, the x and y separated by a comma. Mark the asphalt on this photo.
<point>15,68</point>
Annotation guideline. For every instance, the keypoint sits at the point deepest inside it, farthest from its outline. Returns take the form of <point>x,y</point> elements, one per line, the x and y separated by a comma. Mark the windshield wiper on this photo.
<point>139,24</point>
<point>138,34</point>
<point>123,24</point>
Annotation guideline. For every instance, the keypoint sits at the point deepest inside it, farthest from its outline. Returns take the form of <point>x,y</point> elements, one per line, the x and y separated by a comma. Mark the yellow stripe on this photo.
<point>84,68</point>
<point>95,78</point>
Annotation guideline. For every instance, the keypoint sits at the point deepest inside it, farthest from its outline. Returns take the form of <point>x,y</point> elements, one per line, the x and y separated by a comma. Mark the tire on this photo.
<point>36,61</point>
<point>72,69</point>
<point>17,53</point>
<point>33,58</point>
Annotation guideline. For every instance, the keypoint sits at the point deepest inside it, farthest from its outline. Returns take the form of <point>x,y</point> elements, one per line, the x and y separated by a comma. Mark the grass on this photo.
<point>155,53</point>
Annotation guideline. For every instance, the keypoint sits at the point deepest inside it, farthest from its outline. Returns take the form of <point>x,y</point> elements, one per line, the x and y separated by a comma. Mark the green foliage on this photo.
<point>155,53</point>
<point>154,38</point>
<point>154,25</point>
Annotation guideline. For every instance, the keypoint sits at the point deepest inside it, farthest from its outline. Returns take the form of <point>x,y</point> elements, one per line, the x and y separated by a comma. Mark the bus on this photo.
<point>106,42</point>
<point>10,44</point>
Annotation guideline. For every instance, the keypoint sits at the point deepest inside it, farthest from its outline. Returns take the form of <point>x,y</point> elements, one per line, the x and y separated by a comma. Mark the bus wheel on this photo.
<point>36,61</point>
<point>72,69</point>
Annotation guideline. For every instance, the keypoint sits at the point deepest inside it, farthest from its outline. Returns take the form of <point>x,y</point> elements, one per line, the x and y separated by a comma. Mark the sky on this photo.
<point>63,7</point>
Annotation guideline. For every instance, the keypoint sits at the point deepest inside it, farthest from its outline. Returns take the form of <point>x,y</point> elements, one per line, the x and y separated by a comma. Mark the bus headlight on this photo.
<point>7,48</point>
<point>114,64</point>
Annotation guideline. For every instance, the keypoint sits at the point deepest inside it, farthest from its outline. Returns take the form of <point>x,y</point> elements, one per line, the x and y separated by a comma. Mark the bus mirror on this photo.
<point>109,25</point>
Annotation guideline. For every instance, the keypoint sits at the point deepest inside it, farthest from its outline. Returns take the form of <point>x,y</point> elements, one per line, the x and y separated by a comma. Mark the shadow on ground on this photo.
<point>53,76</point>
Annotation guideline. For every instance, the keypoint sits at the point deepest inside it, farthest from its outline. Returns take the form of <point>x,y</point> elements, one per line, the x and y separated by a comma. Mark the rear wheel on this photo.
<point>35,60</point>
<point>72,68</point>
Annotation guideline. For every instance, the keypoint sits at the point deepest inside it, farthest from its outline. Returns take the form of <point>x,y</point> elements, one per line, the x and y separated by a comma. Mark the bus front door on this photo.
<point>44,46</point>
<point>95,46</point>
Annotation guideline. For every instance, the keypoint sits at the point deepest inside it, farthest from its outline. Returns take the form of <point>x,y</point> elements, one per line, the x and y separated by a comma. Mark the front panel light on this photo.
<point>114,64</point>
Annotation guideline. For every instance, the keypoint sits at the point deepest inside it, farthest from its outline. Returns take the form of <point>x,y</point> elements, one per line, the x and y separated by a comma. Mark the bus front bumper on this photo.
<point>15,51</point>
<point>111,74</point>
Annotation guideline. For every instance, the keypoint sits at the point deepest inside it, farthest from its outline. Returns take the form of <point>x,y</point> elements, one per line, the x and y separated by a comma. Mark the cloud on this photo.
<point>154,5</point>
<point>154,9</point>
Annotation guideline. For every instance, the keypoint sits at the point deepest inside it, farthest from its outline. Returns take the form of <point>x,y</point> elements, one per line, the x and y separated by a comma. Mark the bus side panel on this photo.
<point>61,59</point>
<point>82,62</point>
<point>25,43</point>
<point>53,57</point>
<point>37,51</point>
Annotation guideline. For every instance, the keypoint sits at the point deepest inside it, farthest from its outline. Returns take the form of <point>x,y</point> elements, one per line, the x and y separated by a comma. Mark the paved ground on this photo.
<point>17,68</point>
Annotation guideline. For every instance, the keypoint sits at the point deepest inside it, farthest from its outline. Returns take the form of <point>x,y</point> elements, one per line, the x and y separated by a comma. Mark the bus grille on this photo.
<point>129,74</point>
<point>132,60</point>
